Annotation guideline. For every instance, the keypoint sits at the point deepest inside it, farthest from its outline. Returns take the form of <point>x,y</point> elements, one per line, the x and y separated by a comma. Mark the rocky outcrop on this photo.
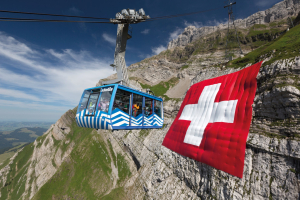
<point>47,156</point>
<point>279,11</point>
<point>153,71</point>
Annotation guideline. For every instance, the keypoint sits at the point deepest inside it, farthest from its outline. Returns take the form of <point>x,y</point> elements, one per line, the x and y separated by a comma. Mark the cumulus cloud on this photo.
<point>157,50</point>
<point>196,24</point>
<point>46,79</point>
<point>110,39</point>
<point>146,31</point>
<point>216,22</point>
<point>173,35</point>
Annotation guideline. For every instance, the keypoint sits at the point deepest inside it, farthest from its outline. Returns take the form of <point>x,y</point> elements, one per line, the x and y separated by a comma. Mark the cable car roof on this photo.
<point>127,89</point>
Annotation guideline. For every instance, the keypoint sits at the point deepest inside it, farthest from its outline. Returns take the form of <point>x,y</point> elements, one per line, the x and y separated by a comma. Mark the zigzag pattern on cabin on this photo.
<point>120,118</point>
<point>100,121</point>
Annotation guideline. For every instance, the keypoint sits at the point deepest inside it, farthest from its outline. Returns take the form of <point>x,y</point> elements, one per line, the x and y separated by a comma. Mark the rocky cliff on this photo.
<point>279,11</point>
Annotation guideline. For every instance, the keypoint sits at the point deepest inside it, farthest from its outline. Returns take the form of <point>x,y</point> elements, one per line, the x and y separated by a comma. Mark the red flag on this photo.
<point>213,122</point>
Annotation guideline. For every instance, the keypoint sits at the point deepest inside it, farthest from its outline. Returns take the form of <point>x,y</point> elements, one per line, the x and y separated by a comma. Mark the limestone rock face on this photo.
<point>46,158</point>
<point>279,11</point>
<point>62,126</point>
<point>154,71</point>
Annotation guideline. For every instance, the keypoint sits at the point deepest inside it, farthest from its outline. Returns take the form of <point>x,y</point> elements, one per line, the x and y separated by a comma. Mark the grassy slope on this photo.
<point>86,174</point>
<point>284,47</point>
<point>9,153</point>
<point>161,88</point>
<point>16,179</point>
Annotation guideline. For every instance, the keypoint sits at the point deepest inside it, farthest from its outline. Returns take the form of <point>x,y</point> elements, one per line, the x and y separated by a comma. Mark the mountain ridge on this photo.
<point>281,10</point>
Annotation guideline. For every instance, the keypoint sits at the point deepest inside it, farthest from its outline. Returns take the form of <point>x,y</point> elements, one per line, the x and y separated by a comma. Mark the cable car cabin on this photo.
<point>115,107</point>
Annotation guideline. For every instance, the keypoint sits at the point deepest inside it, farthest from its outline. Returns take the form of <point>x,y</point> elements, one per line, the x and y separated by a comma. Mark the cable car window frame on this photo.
<point>160,107</point>
<point>112,95</point>
<point>140,107</point>
<point>151,108</point>
<point>123,95</point>
<point>95,107</point>
<point>81,100</point>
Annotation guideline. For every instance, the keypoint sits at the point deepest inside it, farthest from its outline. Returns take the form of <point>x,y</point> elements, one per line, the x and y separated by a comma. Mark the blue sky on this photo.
<point>44,67</point>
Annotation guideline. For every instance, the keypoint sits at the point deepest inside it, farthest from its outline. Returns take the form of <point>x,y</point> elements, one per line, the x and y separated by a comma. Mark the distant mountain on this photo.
<point>12,125</point>
<point>10,139</point>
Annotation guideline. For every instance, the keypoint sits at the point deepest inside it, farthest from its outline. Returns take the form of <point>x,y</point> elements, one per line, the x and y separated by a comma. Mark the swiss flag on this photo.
<point>213,122</point>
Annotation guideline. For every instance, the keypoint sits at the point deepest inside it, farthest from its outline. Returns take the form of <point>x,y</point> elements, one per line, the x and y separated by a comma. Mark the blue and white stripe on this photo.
<point>137,121</point>
<point>119,118</point>
<point>157,121</point>
<point>100,121</point>
<point>153,120</point>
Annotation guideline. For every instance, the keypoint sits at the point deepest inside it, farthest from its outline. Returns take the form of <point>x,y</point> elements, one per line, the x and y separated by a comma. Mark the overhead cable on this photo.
<point>48,20</point>
<point>96,22</point>
<point>55,15</point>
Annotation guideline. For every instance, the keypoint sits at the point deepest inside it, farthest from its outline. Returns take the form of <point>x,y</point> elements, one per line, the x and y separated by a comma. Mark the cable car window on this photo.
<point>84,101</point>
<point>148,106</point>
<point>157,108</point>
<point>137,104</point>
<point>91,106</point>
<point>122,101</point>
<point>105,97</point>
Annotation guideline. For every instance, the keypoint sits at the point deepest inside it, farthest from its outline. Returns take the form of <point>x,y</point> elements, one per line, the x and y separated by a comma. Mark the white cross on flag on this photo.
<point>213,122</point>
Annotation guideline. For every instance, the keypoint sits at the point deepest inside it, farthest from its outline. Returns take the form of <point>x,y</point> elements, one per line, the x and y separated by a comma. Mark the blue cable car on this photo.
<point>115,107</point>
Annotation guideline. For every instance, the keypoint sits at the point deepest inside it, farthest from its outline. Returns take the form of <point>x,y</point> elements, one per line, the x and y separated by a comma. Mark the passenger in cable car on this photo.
<point>121,107</point>
<point>136,108</point>
<point>147,113</point>
<point>103,105</point>
<point>126,108</point>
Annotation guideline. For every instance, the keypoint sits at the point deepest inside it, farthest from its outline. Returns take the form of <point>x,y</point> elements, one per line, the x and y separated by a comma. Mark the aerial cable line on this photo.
<point>48,20</point>
<point>55,15</point>
<point>99,22</point>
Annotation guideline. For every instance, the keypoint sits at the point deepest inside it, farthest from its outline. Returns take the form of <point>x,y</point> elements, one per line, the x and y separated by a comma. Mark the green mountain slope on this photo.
<point>85,164</point>
<point>284,47</point>
<point>87,172</point>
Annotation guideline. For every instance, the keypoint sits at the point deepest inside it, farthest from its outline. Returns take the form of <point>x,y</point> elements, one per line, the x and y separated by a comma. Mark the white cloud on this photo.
<point>175,34</point>
<point>196,24</point>
<point>45,79</point>
<point>109,39</point>
<point>216,22</point>
<point>146,31</point>
<point>18,94</point>
<point>157,50</point>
